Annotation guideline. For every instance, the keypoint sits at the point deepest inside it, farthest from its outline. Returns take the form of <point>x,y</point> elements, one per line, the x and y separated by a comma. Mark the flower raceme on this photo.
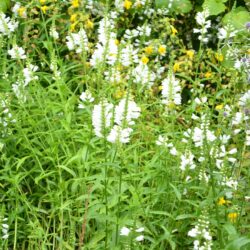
<point>17,52</point>
<point>123,116</point>
<point>126,111</point>
<point>7,26</point>
<point>171,90</point>
<point>77,41</point>
<point>117,133</point>
<point>205,25</point>
<point>101,117</point>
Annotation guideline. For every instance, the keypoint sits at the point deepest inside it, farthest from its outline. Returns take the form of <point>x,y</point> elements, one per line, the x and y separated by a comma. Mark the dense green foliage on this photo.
<point>176,174</point>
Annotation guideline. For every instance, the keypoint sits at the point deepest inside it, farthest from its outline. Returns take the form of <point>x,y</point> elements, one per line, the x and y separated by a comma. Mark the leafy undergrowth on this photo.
<point>124,124</point>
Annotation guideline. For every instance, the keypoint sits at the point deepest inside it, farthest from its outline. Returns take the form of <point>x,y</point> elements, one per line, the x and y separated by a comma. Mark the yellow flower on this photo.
<point>176,67</point>
<point>117,42</point>
<point>42,1</point>
<point>174,30</point>
<point>219,107</point>
<point>208,74</point>
<point>119,94</point>
<point>190,54</point>
<point>75,3</point>
<point>22,12</point>
<point>144,60</point>
<point>171,105</point>
<point>44,9</point>
<point>127,4</point>
<point>148,50</point>
<point>222,201</point>
<point>73,18</point>
<point>233,216</point>
<point>219,57</point>
<point>73,26</point>
<point>89,24</point>
<point>162,50</point>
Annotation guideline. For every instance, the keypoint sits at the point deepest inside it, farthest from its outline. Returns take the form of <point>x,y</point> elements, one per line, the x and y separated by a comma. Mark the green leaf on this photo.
<point>230,230</point>
<point>184,216</point>
<point>96,240</point>
<point>178,6</point>
<point>176,191</point>
<point>237,18</point>
<point>238,243</point>
<point>70,171</point>
<point>4,5</point>
<point>183,6</point>
<point>214,7</point>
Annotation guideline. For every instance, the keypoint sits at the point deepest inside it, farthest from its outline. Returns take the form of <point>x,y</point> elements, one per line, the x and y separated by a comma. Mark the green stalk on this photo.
<point>119,205</point>
<point>105,192</point>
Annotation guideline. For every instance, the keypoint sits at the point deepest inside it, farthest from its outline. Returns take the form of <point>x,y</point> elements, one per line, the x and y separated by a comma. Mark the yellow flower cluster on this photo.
<point>127,4</point>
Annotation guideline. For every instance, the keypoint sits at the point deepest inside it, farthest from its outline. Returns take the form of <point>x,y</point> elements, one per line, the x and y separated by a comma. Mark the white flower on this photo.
<point>28,73</point>
<point>196,245</point>
<point>195,117</point>
<point>207,235</point>
<point>124,231</point>
<point>140,3</point>
<point>222,34</point>
<point>205,24</point>
<point>193,232</point>
<point>129,34</point>
<point>187,160</point>
<point>129,55</point>
<point>126,111</point>
<point>101,117</point>
<point>238,118</point>
<point>236,131</point>
<point>5,236</point>
<point>107,53</point>
<point>77,41</point>
<point>15,8</point>
<point>233,151</point>
<point>226,32</point>
<point>98,55</point>
<point>144,30</point>
<point>111,52</point>
<point>237,64</point>
<point>113,75</point>
<point>118,134</point>
<point>142,75</point>
<point>163,141</point>
<point>119,5</point>
<point>245,99</point>
<point>200,101</point>
<point>139,230</point>
<point>171,90</point>
<point>173,151</point>
<point>85,96</point>
<point>18,89</point>
<point>7,26</point>
<point>54,33</point>
<point>105,30</point>
<point>201,17</point>
<point>230,182</point>
<point>225,138</point>
<point>139,238</point>
<point>17,52</point>
<point>199,135</point>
